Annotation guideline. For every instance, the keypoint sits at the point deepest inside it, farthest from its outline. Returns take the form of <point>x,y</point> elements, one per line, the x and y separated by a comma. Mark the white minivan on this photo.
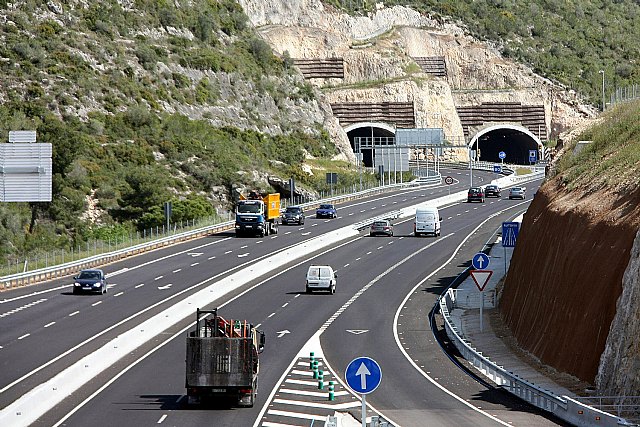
<point>427,221</point>
<point>321,277</point>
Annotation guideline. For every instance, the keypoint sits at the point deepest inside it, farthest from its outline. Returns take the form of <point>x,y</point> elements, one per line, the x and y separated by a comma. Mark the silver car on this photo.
<point>517,193</point>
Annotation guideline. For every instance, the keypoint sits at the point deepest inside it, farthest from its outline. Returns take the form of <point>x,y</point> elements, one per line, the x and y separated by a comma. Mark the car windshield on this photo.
<point>516,189</point>
<point>249,208</point>
<point>326,206</point>
<point>89,275</point>
<point>293,210</point>
<point>474,190</point>
<point>379,224</point>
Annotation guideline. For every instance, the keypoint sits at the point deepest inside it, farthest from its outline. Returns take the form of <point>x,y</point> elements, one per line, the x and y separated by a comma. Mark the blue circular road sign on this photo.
<point>480,261</point>
<point>502,154</point>
<point>363,375</point>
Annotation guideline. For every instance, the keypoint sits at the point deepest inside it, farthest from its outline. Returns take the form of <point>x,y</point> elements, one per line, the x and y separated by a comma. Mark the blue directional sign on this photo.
<point>510,234</point>
<point>502,154</point>
<point>533,156</point>
<point>480,261</point>
<point>497,169</point>
<point>363,375</point>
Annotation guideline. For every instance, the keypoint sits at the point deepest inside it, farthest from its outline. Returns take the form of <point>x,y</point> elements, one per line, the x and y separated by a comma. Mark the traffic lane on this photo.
<point>280,305</point>
<point>402,395</point>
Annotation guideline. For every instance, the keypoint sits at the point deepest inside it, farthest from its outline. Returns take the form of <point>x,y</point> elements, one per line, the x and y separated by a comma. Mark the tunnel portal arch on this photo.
<point>383,133</point>
<point>514,140</point>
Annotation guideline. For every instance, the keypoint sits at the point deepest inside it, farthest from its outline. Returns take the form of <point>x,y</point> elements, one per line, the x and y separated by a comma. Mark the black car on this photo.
<point>293,215</point>
<point>492,191</point>
<point>92,280</point>
<point>475,194</point>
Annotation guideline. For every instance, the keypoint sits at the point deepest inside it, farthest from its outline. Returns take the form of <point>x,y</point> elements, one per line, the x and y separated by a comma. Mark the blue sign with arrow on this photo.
<point>480,261</point>
<point>502,154</point>
<point>510,234</point>
<point>363,375</point>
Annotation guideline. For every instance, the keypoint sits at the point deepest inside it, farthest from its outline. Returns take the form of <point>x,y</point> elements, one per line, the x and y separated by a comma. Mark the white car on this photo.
<point>321,277</point>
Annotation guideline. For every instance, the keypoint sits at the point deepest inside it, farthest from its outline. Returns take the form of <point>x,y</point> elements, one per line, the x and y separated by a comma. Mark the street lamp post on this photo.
<point>602,72</point>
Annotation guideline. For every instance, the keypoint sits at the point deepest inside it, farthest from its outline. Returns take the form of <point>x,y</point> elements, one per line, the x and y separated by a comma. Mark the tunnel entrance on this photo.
<point>381,133</point>
<point>515,141</point>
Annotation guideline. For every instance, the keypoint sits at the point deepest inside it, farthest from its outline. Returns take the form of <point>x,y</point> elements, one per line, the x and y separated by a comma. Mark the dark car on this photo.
<point>326,211</point>
<point>92,280</point>
<point>293,215</point>
<point>517,193</point>
<point>383,227</point>
<point>475,194</point>
<point>492,191</point>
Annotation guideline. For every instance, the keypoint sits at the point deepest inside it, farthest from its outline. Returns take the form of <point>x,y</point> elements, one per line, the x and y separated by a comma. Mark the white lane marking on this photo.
<point>243,255</point>
<point>162,418</point>
<point>175,271</point>
<point>338,406</point>
<point>270,424</point>
<point>314,224</point>
<point>74,313</point>
<point>350,214</point>
<point>274,237</point>
<point>285,304</point>
<point>305,233</point>
<point>358,259</point>
<point>311,393</point>
<point>380,247</point>
<point>363,210</point>
<point>288,232</point>
<point>212,257</point>
<point>194,264</point>
<point>269,316</point>
<point>384,205</point>
<point>369,253</point>
<point>23,337</point>
<point>49,324</point>
<point>17,309</point>
<point>346,265</point>
<point>158,278</point>
<point>167,286</point>
<point>118,294</point>
<point>96,303</point>
<point>228,252</point>
<point>298,415</point>
<point>259,241</point>
<point>245,246</point>
<point>194,254</point>
<point>139,286</point>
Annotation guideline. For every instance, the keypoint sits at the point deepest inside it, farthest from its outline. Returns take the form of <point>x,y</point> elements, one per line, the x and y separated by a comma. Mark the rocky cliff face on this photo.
<point>622,351</point>
<point>566,276</point>
<point>378,49</point>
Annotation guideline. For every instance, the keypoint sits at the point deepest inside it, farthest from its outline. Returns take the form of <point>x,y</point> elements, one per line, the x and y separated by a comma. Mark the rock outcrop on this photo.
<point>378,52</point>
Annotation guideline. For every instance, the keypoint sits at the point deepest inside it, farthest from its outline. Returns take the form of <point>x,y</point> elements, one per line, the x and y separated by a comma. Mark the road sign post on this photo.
<point>510,232</point>
<point>363,376</point>
<point>448,180</point>
<point>481,277</point>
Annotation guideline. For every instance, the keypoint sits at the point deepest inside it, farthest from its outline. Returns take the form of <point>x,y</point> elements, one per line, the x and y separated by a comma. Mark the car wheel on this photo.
<point>333,289</point>
<point>75,291</point>
<point>308,290</point>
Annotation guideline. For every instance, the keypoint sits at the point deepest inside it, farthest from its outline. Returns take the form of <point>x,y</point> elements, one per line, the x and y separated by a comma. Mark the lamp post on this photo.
<point>602,72</point>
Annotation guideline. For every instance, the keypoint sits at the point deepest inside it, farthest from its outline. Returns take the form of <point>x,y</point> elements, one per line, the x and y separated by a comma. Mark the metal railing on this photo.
<point>627,407</point>
<point>625,94</point>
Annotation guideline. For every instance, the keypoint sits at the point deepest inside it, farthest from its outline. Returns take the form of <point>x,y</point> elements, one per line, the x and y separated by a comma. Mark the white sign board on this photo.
<point>22,136</point>
<point>25,172</point>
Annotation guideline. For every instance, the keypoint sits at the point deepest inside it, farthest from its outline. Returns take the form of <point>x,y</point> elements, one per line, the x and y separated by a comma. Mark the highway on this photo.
<point>50,329</point>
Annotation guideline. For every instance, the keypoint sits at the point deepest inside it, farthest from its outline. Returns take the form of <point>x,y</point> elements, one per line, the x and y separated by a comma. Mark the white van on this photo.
<point>321,277</point>
<point>427,221</point>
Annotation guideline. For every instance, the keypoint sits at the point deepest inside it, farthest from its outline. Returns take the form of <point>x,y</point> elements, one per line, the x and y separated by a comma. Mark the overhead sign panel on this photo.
<point>25,172</point>
<point>22,136</point>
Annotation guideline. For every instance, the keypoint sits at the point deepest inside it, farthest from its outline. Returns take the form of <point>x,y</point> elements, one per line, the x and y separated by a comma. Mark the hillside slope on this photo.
<point>572,286</point>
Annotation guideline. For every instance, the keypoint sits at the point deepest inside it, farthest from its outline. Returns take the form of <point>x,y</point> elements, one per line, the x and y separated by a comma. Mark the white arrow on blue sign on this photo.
<point>363,375</point>
<point>480,261</point>
<point>502,154</point>
<point>510,234</point>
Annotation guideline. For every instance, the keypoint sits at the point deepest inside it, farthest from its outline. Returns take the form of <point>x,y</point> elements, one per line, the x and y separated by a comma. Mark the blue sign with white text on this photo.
<point>533,156</point>
<point>510,234</point>
<point>363,375</point>
<point>497,169</point>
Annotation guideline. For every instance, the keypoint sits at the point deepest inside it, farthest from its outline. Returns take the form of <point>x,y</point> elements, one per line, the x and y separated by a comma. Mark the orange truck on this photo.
<point>258,214</point>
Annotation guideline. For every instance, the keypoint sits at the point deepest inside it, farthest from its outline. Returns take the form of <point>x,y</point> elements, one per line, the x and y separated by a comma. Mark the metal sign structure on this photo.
<point>510,234</point>
<point>363,376</point>
<point>26,172</point>
<point>480,261</point>
<point>22,136</point>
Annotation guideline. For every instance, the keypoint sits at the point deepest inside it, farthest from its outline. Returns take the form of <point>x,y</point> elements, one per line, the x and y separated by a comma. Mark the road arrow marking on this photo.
<point>363,372</point>
<point>306,234</point>
<point>243,255</point>
<point>357,331</point>
<point>283,333</point>
<point>165,287</point>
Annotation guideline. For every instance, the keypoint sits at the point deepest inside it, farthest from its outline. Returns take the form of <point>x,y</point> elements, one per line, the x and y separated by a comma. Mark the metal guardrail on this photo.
<point>69,268</point>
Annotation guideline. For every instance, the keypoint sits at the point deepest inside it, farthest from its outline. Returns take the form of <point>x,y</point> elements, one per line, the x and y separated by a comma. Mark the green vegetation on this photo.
<point>615,146</point>
<point>93,81</point>
<point>567,41</point>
